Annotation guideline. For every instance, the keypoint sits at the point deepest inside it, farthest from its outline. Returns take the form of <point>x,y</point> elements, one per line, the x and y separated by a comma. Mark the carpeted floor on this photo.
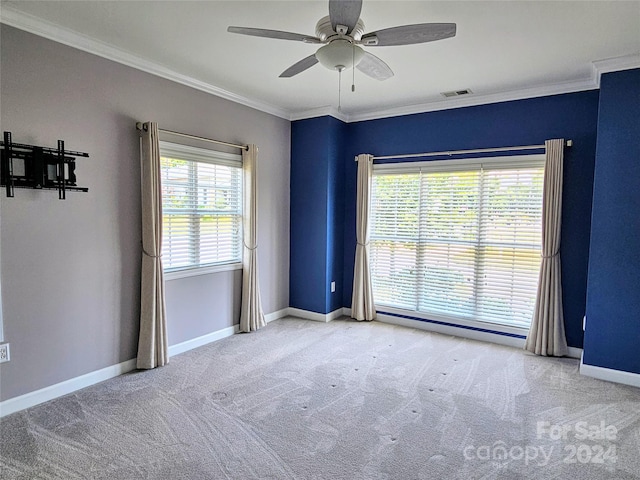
<point>341,400</point>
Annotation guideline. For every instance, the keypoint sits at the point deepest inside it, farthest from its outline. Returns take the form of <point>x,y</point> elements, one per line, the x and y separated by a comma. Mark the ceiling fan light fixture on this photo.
<point>340,55</point>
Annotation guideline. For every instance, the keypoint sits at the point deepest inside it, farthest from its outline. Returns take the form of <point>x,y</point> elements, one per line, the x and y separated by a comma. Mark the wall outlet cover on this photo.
<point>4,353</point>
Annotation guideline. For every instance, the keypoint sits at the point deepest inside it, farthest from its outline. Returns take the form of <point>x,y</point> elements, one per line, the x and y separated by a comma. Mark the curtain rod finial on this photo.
<point>569,143</point>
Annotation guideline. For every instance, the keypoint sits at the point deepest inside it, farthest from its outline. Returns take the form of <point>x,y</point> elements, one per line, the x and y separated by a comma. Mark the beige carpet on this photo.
<point>343,400</point>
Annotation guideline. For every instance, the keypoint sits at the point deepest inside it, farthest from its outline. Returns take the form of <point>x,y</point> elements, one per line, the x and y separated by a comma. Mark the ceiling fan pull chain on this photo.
<point>339,89</point>
<point>353,68</point>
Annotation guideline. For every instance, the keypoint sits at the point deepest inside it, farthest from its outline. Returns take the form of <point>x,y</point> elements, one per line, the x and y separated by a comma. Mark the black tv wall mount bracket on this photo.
<point>30,166</point>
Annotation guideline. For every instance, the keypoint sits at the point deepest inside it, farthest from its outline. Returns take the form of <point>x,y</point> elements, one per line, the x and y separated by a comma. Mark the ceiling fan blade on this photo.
<point>374,67</point>
<point>409,34</point>
<point>300,66</point>
<point>344,12</point>
<point>261,32</point>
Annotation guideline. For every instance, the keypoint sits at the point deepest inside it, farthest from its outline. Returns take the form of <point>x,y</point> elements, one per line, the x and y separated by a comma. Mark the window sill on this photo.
<point>194,272</point>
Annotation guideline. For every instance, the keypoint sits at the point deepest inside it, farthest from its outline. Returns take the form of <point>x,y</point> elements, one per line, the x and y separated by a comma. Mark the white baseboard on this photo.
<point>31,399</point>
<point>317,317</point>
<point>446,330</point>
<point>610,375</point>
<point>454,331</point>
<point>573,352</point>
<point>203,340</point>
<point>270,317</point>
<point>337,313</point>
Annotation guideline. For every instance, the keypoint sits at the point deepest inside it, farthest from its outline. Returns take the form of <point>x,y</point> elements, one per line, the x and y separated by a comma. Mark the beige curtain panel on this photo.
<point>546,335</point>
<point>251,314</point>
<point>153,348</point>
<point>362,307</point>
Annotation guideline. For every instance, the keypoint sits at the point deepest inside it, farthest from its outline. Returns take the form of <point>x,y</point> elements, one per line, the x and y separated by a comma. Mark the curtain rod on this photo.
<point>568,143</point>
<point>140,126</point>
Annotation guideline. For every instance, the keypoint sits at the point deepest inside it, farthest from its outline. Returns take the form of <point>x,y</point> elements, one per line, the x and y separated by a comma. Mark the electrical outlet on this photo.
<point>333,287</point>
<point>4,353</point>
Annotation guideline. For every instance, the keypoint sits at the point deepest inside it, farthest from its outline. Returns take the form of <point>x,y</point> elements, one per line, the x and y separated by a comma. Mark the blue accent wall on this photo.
<point>612,336</point>
<point>317,214</point>
<point>308,237</point>
<point>322,156</point>
<point>335,214</point>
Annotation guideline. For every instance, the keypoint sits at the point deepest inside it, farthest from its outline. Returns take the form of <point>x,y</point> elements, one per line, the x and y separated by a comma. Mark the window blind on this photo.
<point>202,207</point>
<point>458,239</point>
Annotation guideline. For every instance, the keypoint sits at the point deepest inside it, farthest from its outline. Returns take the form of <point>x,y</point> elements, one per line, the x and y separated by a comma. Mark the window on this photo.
<point>201,209</point>
<point>458,240</point>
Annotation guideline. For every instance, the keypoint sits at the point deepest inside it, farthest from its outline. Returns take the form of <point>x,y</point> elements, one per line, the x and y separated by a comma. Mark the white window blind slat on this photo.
<point>463,243</point>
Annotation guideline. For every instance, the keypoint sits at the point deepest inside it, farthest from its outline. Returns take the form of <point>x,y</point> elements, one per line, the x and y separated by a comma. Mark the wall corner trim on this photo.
<point>316,317</point>
<point>609,374</point>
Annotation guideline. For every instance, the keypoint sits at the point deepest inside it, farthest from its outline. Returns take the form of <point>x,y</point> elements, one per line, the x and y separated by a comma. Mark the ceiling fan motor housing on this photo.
<point>324,31</point>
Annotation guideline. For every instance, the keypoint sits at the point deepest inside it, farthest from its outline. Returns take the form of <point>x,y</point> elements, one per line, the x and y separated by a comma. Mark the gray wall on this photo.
<point>71,269</point>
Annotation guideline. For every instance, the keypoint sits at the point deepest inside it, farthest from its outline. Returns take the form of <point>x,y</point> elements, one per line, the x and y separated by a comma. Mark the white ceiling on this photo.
<point>502,50</point>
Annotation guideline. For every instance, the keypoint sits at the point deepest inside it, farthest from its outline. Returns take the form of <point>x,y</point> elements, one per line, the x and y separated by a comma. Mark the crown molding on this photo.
<point>29,23</point>
<point>320,112</point>
<point>598,67</point>
<point>460,102</point>
<point>616,64</point>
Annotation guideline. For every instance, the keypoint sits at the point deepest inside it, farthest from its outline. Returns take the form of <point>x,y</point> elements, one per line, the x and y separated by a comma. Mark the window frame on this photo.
<point>214,157</point>
<point>452,165</point>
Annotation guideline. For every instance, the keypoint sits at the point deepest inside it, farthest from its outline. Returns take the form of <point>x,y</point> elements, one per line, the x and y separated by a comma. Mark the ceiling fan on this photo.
<point>342,33</point>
